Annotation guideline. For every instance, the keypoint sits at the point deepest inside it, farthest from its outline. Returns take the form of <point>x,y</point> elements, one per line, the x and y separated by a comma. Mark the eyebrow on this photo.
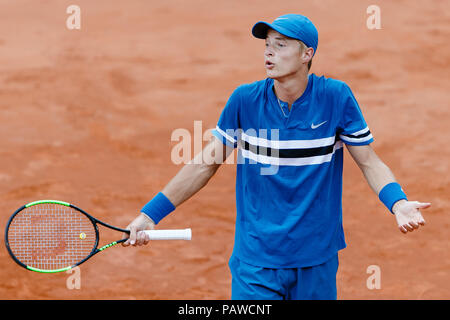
<point>280,38</point>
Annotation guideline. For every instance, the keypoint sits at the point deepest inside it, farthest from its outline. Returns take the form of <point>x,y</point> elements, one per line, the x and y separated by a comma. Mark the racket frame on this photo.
<point>93,220</point>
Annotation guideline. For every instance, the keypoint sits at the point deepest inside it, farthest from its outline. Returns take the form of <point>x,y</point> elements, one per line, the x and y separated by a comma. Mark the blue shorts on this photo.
<point>257,283</point>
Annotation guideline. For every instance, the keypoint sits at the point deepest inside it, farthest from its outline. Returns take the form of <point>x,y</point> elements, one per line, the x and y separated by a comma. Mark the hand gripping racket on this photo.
<point>53,236</point>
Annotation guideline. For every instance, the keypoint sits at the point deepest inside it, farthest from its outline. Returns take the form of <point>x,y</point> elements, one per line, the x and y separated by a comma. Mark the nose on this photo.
<point>268,51</point>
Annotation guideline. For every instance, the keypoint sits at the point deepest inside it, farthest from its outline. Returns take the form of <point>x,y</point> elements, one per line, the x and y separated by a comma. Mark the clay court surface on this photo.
<point>87,116</point>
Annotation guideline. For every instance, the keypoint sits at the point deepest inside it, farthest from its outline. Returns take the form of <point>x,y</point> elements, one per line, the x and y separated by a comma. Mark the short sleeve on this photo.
<point>353,129</point>
<point>228,126</point>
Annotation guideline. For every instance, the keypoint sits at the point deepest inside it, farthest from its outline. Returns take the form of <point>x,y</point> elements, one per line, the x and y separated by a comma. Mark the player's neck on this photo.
<point>289,90</point>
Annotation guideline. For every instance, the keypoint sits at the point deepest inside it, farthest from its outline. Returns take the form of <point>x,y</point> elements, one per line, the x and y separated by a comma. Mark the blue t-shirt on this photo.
<point>289,170</point>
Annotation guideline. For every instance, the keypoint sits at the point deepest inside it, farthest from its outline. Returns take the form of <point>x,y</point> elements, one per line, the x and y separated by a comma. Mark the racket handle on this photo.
<point>176,234</point>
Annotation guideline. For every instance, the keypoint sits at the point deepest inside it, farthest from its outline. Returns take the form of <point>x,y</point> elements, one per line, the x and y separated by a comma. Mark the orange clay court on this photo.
<point>87,116</point>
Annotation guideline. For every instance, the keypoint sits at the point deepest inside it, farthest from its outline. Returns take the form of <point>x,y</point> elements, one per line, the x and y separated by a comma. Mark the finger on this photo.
<point>140,238</point>
<point>408,227</point>
<point>422,205</point>
<point>126,236</point>
<point>403,230</point>
<point>420,220</point>
<point>146,238</point>
<point>414,225</point>
<point>133,236</point>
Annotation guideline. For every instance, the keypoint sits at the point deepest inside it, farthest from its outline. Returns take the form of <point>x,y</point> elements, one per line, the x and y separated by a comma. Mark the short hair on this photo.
<point>303,47</point>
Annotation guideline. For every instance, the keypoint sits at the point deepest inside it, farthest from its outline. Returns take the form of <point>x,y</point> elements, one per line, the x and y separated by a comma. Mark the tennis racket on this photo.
<point>54,236</point>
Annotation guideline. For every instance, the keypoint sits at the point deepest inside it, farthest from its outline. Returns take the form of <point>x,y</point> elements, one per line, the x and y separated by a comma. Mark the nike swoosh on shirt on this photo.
<point>313,126</point>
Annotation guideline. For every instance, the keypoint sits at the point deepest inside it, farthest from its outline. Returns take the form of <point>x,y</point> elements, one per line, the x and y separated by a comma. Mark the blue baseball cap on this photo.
<point>290,25</point>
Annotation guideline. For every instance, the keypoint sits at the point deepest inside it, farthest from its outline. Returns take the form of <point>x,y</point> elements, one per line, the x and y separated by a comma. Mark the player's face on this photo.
<point>282,56</point>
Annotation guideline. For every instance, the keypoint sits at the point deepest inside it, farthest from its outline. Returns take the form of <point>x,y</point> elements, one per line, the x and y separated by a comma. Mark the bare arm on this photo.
<point>379,175</point>
<point>196,174</point>
<point>375,171</point>
<point>191,178</point>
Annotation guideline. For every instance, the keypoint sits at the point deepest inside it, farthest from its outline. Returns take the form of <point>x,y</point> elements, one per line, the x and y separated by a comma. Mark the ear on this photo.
<point>307,55</point>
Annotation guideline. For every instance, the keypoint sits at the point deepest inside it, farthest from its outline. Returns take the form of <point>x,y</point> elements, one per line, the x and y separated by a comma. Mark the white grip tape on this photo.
<point>176,234</point>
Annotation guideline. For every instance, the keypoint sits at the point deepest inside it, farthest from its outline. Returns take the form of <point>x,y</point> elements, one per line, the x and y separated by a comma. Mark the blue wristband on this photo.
<point>390,194</point>
<point>158,208</point>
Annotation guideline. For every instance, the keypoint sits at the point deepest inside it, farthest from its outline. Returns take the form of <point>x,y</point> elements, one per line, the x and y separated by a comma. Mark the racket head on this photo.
<point>51,236</point>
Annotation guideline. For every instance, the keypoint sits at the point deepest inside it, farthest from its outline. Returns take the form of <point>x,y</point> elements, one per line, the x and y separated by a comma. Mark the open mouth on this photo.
<point>269,65</point>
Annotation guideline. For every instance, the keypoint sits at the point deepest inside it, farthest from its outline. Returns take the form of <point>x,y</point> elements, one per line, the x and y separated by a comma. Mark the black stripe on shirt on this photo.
<point>288,153</point>
<point>357,136</point>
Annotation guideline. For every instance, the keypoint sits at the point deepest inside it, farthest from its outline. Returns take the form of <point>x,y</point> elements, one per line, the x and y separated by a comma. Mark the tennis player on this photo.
<point>290,129</point>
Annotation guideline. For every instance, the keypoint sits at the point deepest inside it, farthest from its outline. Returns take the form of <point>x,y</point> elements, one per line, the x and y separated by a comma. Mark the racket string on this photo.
<point>51,236</point>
